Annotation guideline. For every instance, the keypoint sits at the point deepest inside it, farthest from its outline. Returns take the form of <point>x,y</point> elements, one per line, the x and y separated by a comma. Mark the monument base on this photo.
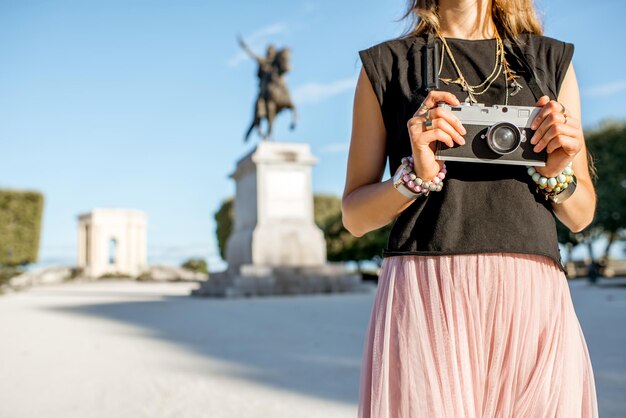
<point>254,280</point>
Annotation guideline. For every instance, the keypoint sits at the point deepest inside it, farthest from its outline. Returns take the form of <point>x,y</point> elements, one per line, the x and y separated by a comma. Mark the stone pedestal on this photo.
<point>275,246</point>
<point>254,280</point>
<point>274,223</point>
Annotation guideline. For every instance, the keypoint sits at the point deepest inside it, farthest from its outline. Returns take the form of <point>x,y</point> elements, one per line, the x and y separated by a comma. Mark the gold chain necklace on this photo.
<point>472,91</point>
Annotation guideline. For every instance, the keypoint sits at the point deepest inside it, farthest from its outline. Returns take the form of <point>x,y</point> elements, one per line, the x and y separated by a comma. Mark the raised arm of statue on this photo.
<point>248,50</point>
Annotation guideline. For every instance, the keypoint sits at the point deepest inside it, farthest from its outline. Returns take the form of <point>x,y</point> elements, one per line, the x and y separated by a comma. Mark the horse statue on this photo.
<point>273,94</point>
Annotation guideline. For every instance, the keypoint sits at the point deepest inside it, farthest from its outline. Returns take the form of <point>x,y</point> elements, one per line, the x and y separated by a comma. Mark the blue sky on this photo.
<point>144,104</point>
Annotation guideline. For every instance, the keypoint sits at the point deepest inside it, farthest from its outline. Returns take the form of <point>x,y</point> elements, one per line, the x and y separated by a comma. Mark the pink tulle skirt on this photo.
<point>477,336</point>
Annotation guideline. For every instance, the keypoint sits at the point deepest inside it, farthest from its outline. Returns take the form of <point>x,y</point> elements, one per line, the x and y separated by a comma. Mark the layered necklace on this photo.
<point>500,67</point>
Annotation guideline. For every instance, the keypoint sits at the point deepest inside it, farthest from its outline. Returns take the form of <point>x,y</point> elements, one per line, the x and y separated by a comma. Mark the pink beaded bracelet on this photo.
<point>419,185</point>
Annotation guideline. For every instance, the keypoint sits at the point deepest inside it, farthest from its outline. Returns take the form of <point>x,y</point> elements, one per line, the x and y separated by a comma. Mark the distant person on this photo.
<point>473,316</point>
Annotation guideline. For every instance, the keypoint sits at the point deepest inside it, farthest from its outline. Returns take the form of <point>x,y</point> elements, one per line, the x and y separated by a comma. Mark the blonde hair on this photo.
<point>511,17</point>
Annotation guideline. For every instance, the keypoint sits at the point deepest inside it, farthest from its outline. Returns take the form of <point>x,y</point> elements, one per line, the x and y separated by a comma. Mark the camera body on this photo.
<point>495,134</point>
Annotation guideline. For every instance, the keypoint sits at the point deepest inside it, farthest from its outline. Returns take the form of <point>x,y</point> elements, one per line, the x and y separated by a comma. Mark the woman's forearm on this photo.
<point>372,206</point>
<point>577,212</point>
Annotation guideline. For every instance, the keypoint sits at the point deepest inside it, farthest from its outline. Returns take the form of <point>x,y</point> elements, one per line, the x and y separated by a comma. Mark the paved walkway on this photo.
<point>126,349</point>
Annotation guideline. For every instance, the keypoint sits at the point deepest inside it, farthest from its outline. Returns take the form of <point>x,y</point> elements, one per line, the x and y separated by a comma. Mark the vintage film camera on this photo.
<point>495,134</point>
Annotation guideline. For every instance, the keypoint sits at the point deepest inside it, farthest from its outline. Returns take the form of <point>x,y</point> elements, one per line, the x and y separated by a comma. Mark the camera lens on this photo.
<point>503,138</point>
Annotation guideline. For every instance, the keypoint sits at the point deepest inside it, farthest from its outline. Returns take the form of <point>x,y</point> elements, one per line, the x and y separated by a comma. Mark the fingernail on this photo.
<point>532,140</point>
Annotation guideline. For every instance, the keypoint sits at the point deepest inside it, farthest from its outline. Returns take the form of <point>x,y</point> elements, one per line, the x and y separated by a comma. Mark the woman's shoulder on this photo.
<point>390,47</point>
<point>539,42</point>
<point>548,51</point>
<point>550,56</point>
<point>385,63</point>
<point>382,60</point>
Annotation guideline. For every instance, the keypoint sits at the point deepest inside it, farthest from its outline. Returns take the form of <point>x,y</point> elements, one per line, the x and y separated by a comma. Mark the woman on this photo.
<point>473,315</point>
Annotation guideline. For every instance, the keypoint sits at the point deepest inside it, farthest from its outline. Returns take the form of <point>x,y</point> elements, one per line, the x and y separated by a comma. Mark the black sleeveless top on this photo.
<point>482,208</point>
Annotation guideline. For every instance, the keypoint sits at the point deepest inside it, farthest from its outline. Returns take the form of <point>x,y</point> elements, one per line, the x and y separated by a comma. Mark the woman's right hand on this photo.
<point>446,128</point>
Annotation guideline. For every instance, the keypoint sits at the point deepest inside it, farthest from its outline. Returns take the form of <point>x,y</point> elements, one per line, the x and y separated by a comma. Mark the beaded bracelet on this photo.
<point>552,186</point>
<point>419,185</point>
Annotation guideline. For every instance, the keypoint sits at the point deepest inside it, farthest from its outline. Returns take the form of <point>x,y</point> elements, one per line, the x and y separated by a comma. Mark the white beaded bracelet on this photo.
<point>554,188</point>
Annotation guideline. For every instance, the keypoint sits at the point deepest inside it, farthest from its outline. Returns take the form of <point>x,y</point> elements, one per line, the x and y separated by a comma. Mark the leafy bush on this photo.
<point>197,265</point>
<point>115,275</point>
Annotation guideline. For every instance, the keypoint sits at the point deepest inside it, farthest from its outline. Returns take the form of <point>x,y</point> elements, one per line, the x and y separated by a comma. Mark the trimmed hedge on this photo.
<point>20,226</point>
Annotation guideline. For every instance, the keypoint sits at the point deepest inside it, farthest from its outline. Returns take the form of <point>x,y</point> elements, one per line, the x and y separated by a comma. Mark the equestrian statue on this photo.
<point>273,94</point>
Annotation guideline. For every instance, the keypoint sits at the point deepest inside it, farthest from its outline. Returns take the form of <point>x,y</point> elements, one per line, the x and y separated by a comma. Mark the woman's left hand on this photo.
<point>557,132</point>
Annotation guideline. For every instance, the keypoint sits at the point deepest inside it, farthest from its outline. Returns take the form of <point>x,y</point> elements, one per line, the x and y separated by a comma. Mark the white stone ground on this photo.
<point>126,349</point>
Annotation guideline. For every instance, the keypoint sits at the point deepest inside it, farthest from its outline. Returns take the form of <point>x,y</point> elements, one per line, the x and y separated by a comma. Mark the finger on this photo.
<point>551,130</point>
<point>543,100</point>
<point>441,113</point>
<point>569,140</point>
<point>554,131</point>
<point>436,134</point>
<point>546,123</point>
<point>558,162</point>
<point>444,125</point>
<point>571,121</point>
<point>417,130</point>
<point>421,112</point>
<point>548,108</point>
<point>567,143</point>
<point>435,97</point>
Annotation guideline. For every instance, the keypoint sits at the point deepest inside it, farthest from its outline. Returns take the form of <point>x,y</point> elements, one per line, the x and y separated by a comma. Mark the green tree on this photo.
<point>340,244</point>
<point>196,264</point>
<point>569,239</point>
<point>607,144</point>
<point>326,206</point>
<point>224,218</point>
